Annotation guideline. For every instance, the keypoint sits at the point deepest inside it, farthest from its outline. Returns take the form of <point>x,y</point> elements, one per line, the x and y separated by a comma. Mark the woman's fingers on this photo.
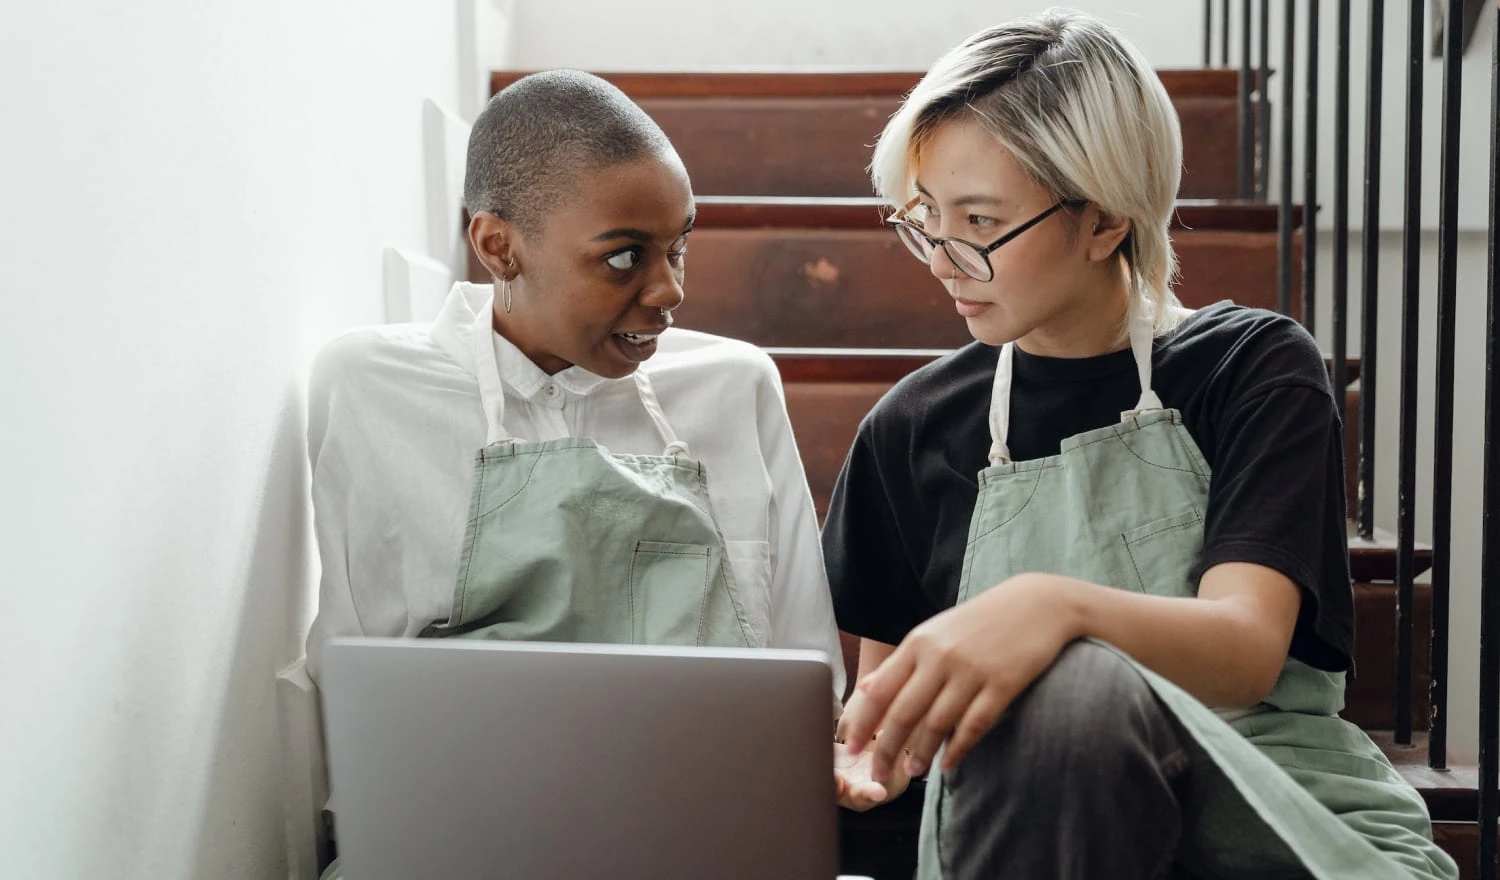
<point>872,697</point>
<point>941,719</point>
<point>907,710</point>
<point>982,713</point>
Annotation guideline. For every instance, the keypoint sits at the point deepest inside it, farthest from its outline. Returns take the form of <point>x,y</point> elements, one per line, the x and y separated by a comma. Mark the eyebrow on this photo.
<point>971,199</point>
<point>641,235</point>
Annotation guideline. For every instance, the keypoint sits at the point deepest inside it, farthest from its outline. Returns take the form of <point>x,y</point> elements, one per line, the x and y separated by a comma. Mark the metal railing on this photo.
<point>1255,163</point>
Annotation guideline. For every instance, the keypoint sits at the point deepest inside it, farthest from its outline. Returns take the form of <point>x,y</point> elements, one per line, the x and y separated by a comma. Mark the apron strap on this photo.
<point>1000,406</point>
<point>1141,337</point>
<point>1140,346</point>
<point>492,389</point>
<point>658,416</point>
<point>487,371</point>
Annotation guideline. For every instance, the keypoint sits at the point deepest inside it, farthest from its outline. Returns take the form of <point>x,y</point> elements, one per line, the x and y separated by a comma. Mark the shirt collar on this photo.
<point>453,330</point>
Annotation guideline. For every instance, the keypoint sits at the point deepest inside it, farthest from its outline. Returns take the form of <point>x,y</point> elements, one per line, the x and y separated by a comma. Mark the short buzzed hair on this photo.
<point>535,135</point>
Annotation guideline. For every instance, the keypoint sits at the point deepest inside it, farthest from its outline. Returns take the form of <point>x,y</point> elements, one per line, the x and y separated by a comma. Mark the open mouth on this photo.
<point>636,347</point>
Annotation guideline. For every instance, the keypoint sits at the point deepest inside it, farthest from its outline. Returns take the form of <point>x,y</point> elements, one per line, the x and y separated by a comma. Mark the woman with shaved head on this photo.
<point>550,459</point>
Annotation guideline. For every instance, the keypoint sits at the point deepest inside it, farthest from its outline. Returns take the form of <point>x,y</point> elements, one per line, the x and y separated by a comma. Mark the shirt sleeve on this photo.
<point>359,587</point>
<point>876,592</point>
<point>1276,498</point>
<point>801,609</point>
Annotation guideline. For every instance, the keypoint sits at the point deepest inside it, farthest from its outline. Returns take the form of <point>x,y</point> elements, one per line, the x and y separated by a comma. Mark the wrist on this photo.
<point>1063,600</point>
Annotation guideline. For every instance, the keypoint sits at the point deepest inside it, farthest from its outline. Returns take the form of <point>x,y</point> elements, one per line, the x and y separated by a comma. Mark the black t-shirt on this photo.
<point>1253,392</point>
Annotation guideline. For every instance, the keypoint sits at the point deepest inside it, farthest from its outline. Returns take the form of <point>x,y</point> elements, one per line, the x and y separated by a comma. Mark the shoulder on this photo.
<point>932,395</point>
<point>368,361</point>
<point>680,347</point>
<point>706,365</point>
<point>1244,351</point>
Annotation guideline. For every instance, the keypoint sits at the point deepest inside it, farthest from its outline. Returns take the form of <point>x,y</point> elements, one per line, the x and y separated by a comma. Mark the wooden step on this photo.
<point>1452,795</point>
<point>829,273</point>
<point>826,273</point>
<point>809,133</point>
<point>1460,840</point>
<point>864,212</point>
<point>1370,695</point>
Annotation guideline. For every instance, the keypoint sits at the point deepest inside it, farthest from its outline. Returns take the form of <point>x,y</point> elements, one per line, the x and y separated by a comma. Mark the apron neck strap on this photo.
<point>487,371</point>
<point>1141,336</point>
<point>492,389</point>
<point>658,416</point>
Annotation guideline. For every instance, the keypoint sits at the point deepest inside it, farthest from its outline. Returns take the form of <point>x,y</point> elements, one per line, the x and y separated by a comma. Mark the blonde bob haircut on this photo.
<point>1083,114</point>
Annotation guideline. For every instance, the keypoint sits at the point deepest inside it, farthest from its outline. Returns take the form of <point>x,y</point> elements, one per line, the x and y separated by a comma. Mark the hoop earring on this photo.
<point>505,287</point>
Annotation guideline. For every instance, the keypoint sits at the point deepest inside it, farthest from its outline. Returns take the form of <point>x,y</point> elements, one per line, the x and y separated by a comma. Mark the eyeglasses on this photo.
<point>971,259</point>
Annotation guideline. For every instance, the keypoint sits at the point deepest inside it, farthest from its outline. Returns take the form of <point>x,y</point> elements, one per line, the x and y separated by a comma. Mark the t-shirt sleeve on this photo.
<point>876,592</point>
<point>1276,497</point>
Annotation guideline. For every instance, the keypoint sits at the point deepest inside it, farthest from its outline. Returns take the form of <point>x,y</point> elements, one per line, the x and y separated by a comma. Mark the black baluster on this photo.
<point>1247,176</point>
<point>1370,274</point>
<point>1284,208</point>
<point>1341,208</point>
<point>1442,471</point>
<point>1263,110</point>
<point>1310,177</point>
<point>1224,33</point>
<point>1208,32</point>
<point>1411,295</point>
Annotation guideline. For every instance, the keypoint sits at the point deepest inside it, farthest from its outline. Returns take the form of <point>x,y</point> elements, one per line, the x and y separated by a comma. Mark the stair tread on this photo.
<point>1193,82</point>
<point>1375,558</point>
<point>1452,795</point>
<point>865,212</point>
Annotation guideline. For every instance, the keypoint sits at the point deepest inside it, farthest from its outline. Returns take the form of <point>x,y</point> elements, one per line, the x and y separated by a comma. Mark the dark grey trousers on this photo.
<point>1085,776</point>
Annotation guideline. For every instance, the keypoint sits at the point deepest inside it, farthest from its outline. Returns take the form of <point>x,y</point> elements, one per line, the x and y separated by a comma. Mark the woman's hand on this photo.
<point>951,678</point>
<point>853,786</point>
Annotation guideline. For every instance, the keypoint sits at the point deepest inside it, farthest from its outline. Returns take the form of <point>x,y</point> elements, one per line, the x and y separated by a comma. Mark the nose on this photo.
<point>664,288</point>
<point>941,267</point>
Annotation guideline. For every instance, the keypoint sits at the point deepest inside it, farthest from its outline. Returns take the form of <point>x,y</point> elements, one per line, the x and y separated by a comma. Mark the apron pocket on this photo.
<point>750,561</point>
<point>1165,553</point>
<point>668,592</point>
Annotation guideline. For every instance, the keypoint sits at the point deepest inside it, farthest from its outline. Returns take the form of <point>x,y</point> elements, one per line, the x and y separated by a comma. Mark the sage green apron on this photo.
<point>1299,792</point>
<point>567,542</point>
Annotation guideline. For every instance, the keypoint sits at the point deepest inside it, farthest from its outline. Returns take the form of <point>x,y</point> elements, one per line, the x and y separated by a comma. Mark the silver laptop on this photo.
<point>479,759</point>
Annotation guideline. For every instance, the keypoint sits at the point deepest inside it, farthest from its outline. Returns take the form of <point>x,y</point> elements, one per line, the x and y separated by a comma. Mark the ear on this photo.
<point>1104,233</point>
<point>493,240</point>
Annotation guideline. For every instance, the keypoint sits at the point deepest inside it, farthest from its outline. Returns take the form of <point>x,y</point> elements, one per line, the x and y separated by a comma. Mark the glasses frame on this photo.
<point>899,221</point>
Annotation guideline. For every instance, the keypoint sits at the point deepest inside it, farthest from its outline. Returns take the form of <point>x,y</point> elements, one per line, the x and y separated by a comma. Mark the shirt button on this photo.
<point>550,391</point>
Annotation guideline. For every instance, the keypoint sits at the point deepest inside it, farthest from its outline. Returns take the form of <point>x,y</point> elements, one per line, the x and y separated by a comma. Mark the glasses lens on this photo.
<point>968,260</point>
<point>914,242</point>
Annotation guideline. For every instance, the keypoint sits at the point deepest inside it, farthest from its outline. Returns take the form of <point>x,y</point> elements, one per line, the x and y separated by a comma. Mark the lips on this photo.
<point>643,337</point>
<point>970,308</point>
<point>637,345</point>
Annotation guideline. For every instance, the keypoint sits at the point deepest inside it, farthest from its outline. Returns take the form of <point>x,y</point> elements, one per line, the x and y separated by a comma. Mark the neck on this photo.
<point>509,326</point>
<point>1090,325</point>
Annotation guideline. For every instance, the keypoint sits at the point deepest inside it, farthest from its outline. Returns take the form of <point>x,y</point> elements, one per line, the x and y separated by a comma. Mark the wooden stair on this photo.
<point>809,134</point>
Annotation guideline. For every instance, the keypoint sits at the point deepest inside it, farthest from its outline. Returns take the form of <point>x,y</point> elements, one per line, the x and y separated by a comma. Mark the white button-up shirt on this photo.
<point>395,420</point>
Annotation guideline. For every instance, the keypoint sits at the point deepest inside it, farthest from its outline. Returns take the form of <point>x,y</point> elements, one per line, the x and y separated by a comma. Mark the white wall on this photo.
<point>871,34</point>
<point>195,196</point>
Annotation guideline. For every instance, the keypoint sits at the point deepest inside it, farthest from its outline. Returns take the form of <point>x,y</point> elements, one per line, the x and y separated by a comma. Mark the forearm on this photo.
<point>1226,650</point>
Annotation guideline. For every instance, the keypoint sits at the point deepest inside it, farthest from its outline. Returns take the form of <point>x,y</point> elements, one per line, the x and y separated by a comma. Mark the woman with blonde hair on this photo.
<point>1098,559</point>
